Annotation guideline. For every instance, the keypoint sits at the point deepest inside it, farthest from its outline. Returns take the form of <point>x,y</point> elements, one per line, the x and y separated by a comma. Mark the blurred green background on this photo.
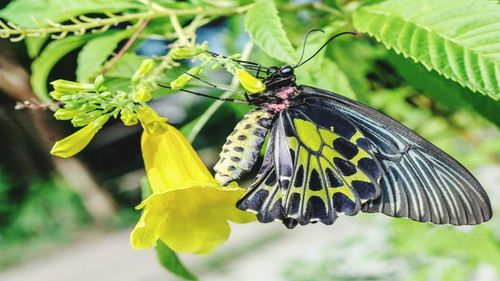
<point>50,206</point>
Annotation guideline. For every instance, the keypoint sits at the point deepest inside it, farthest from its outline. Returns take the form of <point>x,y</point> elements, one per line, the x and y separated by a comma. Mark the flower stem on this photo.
<point>203,119</point>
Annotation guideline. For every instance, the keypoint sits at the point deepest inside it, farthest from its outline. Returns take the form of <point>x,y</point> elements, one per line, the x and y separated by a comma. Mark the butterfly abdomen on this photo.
<point>242,146</point>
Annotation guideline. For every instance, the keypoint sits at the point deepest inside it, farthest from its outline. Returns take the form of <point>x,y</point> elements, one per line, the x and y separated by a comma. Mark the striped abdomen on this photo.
<point>242,146</point>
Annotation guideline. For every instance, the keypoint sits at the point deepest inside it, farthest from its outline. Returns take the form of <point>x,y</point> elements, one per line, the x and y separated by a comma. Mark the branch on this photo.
<point>82,24</point>
<point>125,47</point>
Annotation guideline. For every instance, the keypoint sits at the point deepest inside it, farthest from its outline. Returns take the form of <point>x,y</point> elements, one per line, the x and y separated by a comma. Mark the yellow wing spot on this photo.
<point>327,136</point>
<point>293,143</point>
<point>356,136</point>
<point>344,190</point>
<point>308,134</point>
<point>314,165</point>
<point>303,156</point>
<point>329,153</point>
<point>361,154</point>
<point>318,193</point>
<point>358,176</point>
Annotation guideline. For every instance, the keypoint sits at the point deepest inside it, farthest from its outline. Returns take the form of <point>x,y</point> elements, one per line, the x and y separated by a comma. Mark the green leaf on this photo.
<point>266,30</point>
<point>326,75</point>
<point>459,39</point>
<point>169,260</point>
<point>34,45</point>
<point>41,66</point>
<point>33,13</point>
<point>96,52</point>
<point>356,58</point>
<point>126,66</point>
<point>445,92</point>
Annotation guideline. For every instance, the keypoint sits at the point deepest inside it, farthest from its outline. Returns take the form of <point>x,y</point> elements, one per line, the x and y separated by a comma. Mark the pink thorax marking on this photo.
<point>285,93</point>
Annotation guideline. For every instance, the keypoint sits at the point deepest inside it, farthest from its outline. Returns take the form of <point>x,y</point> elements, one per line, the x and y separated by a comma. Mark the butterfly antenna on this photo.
<point>324,45</point>
<point>205,95</point>
<point>304,44</point>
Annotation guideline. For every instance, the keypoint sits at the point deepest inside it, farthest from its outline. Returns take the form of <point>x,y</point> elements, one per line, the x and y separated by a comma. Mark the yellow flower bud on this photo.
<point>128,117</point>
<point>144,69</point>
<point>182,80</point>
<point>66,113</point>
<point>74,143</point>
<point>185,53</point>
<point>249,82</point>
<point>142,95</point>
<point>83,119</point>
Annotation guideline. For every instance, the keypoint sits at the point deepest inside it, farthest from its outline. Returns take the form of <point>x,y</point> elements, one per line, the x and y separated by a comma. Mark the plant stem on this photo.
<point>84,23</point>
<point>203,119</point>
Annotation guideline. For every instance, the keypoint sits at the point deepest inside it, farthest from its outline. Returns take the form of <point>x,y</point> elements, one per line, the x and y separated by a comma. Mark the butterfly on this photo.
<point>329,156</point>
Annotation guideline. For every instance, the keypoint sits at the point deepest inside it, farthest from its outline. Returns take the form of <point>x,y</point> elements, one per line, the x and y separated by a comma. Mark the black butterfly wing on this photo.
<point>322,165</point>
<point>420,181</point>
<point>264,196</point>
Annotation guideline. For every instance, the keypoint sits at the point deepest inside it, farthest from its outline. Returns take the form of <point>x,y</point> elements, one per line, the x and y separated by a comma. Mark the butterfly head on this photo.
<point>280,77</point>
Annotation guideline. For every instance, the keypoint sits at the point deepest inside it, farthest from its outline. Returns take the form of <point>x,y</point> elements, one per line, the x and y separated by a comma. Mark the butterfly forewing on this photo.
<point>419,180</point>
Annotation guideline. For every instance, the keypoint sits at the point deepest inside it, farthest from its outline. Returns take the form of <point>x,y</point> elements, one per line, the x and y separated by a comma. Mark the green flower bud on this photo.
<point>185,53</point>
<point>128,117</point>
<point>58,95</point>
<point>99,80</point>
<point>83,119</point>
<point>146,66</point>
<point>66,113</point>
<point>66,86</point>
<point>180,82</point>
<point>142,95</point>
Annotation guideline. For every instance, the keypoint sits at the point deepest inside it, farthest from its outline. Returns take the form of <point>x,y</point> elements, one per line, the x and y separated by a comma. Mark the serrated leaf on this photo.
<point>42,65</point>
<point>32,13</point>
<point>445,92</point>
<point>169,260</point>
<point>264,25</point>
<point>95,53</point>
<point>459,39</point>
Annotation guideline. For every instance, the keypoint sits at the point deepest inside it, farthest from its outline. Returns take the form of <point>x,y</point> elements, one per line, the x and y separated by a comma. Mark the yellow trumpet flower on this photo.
<point>188,210</point>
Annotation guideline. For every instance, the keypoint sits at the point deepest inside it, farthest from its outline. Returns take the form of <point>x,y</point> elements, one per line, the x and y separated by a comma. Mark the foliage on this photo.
<point>421,252</point>
<point>440,77</point>
<point>51,213</point>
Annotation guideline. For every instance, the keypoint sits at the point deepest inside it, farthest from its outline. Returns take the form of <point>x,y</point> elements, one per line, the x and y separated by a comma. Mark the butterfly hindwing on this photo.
<point>264,196</point>
<point>419,181</point>
<point>323,166</point>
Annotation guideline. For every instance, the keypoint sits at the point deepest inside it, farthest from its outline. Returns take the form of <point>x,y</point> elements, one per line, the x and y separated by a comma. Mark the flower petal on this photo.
<point>171,162</point>
<point>192,220</point>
